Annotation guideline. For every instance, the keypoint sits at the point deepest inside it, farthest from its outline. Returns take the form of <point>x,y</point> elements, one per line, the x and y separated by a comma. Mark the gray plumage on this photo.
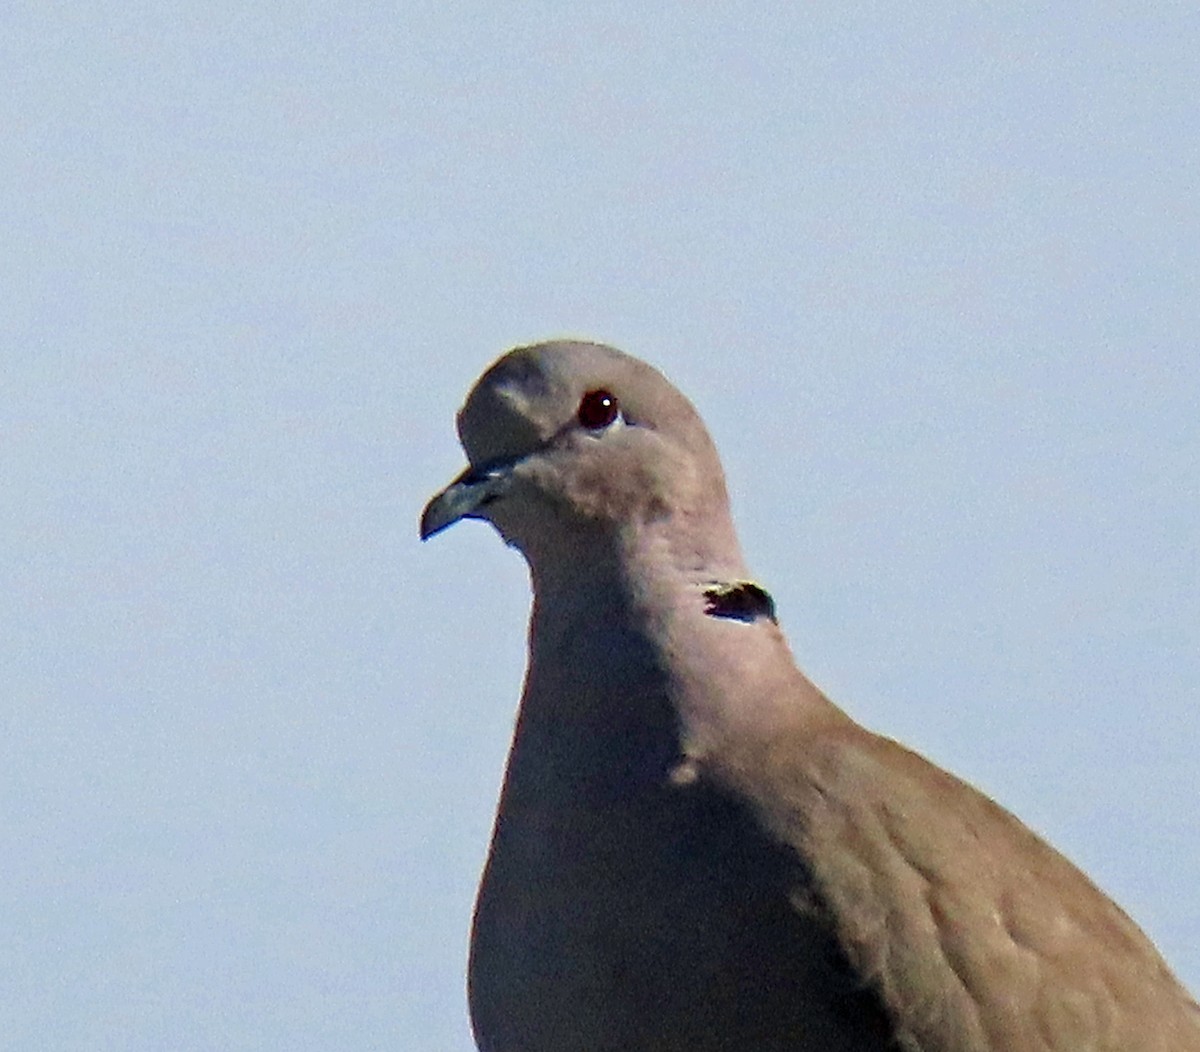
<point>694,849</point>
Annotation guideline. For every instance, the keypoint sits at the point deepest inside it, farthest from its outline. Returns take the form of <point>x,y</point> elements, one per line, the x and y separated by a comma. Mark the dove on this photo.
<point>694,849</point>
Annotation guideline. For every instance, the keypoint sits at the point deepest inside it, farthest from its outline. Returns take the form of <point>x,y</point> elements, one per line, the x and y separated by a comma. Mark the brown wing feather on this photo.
<point>976,934</point>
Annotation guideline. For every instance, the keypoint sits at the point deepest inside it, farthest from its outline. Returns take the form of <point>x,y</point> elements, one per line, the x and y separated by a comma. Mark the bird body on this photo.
<point>695,849</point>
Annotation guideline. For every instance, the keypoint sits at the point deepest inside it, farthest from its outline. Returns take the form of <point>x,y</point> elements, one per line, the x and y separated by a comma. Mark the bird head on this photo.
<point>573,443</point>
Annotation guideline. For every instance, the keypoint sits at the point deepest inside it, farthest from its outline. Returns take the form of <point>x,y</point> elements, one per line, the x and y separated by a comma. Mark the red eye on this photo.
<point>598,409</point>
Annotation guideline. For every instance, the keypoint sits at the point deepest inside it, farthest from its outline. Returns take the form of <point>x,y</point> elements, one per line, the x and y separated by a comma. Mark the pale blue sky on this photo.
<point>929,273</point>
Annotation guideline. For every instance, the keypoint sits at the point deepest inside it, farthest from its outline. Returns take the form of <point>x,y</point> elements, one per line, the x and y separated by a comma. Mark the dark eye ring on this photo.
<point>598,409</point>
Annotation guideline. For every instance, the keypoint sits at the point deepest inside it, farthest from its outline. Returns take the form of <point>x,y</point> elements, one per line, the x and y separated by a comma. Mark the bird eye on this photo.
<point>598,409</point>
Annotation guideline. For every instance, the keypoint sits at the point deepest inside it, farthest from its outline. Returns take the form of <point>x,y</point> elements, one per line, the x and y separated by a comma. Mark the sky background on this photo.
<point>930,273</point>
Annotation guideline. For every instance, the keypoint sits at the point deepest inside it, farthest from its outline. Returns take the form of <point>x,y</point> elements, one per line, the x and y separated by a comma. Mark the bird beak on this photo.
<point>465,496</point>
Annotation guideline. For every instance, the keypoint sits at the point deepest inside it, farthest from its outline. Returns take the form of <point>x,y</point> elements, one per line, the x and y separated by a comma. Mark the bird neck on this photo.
<point>596,583</point>
<point>637,645</point>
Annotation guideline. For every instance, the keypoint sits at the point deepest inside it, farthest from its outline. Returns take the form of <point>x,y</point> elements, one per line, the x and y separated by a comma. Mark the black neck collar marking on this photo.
<point>739,601</point>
